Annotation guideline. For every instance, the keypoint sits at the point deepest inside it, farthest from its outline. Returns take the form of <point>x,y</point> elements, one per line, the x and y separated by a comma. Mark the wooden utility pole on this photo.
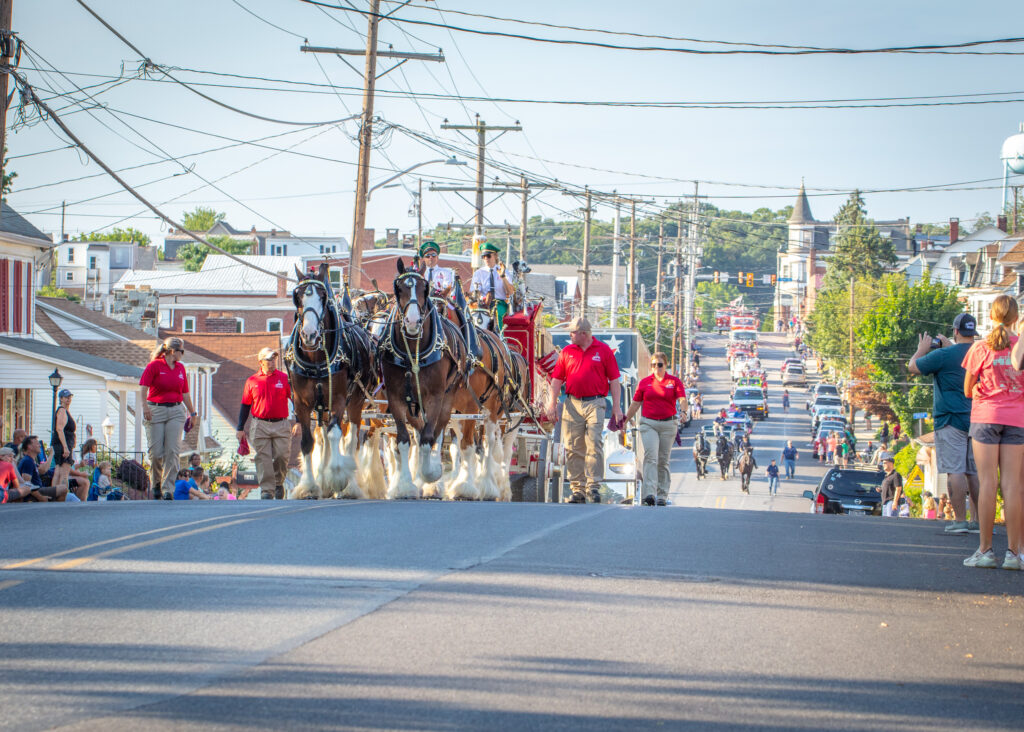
<point>632,266</point>
<point>6,51</point>
<point>691,278</point>
<point>355,262</point>
<point>657,287</point>
<point>585,292</point>
<point>677,300</point>
<point>370,77</point>
<point>851,351</point>
<point>523,218</point>
<point>481,128</point>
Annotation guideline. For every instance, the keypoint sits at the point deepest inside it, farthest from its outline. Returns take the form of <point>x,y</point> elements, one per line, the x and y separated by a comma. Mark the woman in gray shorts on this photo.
<point>997,432</point>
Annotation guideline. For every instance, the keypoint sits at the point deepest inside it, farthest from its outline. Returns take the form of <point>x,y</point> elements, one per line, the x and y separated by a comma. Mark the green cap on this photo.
<point>489,247</point>
<point>429,245</point>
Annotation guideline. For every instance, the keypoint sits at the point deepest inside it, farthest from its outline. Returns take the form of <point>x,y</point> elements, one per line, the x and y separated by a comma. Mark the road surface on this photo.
<point>451,616</point>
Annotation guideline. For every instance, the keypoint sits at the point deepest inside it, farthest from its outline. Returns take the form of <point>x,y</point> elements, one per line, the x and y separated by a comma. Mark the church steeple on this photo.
<point>801,209</point>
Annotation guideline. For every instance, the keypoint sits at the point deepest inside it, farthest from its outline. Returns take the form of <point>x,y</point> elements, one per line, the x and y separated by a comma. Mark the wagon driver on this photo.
<point>588,369</point>
<point>265,400</point>
<point>440,279</point>
<point>491,285</point>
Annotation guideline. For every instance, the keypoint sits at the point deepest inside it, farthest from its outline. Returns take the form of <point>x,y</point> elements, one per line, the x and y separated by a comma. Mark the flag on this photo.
<point>546,363</point>
<point>737,302</point>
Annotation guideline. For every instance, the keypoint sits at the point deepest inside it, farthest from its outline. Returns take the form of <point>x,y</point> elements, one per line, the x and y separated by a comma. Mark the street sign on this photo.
<point>916,478</point>
<point>920,415</point>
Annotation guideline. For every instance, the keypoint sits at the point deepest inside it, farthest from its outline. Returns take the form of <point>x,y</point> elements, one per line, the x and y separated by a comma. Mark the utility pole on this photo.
<point>523,218</point>
<point>616,251</point>
<point>657,288</point>
<point>481,128</point>
<point>370,77</point>
<point>355,261</point>
<point>586,257</point>
<point>691,277</point>
<point>851,352</point>
<point>632,266</point>
<point>677,300</point>
<point>6,52</point>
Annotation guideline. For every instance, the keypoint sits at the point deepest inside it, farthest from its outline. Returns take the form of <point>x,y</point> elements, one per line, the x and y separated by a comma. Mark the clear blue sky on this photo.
<point>866,148</point>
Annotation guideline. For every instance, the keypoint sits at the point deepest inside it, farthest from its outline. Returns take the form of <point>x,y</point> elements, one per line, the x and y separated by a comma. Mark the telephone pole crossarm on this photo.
<point>439,57</point>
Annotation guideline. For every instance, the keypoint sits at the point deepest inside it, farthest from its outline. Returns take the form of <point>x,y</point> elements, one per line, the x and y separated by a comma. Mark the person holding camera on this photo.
<point>942,359</point>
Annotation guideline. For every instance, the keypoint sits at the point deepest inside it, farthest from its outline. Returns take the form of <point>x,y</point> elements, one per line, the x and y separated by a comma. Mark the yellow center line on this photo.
<point>128,537</point>
<point>9,583</point>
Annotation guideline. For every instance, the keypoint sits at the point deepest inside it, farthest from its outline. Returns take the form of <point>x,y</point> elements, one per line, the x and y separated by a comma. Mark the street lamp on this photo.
<point>447,161</point>
<point>107,425</point>
<point>55,380</point>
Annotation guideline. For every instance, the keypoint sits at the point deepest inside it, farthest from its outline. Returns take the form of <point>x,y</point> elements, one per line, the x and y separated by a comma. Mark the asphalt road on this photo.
<point>769,437</point>
<point>450,616</point>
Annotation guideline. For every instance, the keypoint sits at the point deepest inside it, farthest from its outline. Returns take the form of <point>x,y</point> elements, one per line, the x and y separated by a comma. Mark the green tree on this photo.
<point>982,220</point>
<point>201,218</point>
<point>9,176</point>
<point>888,336</point>
<point>118,234</point>
<point>860,251</point>
<point>828,325</point>
<point>193,255</point>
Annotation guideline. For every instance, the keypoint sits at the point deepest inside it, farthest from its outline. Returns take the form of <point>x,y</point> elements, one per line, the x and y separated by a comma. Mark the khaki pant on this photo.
<point>271,443</point>
<point>656,440</point>
<point>164,432</point>
<point>581,435</point>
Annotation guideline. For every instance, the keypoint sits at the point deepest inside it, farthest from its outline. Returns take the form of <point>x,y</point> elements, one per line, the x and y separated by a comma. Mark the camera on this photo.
<point>936,343</point>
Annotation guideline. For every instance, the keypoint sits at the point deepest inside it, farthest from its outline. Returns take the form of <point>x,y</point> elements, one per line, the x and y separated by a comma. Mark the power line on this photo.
<point>149,64</point>
<point>922,48</point>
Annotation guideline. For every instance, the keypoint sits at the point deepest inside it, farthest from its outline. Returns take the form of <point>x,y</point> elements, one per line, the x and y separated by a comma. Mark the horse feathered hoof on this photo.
<point>306,491</point>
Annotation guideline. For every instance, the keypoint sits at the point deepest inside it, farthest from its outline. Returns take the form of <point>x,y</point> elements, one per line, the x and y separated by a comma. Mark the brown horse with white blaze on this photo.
<point>330,366</point>
<point>422,359</point>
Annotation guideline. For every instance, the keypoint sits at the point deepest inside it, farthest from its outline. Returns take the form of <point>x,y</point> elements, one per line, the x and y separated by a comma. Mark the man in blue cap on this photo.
<point>490,284</point>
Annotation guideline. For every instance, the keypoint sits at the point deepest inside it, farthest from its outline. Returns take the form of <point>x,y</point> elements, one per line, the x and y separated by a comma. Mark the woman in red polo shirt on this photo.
<point>164,414</point>
<point>657,396</point>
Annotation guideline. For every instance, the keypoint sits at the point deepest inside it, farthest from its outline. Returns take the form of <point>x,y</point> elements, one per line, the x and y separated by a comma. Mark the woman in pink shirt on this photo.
<point>997,432</point>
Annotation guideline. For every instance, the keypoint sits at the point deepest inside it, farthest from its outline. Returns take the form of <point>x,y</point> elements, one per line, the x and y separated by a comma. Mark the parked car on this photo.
<point>751,400</point>
<point>825,401</point>
<point>822,390</point>
<point>826,415</point>
<point>850,491</point>
<point>794,375</point>
<point>787,362</point>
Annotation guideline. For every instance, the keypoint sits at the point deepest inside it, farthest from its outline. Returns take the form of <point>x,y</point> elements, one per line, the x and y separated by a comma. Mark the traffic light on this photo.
<point>739,277</point>
<point>717,278</point>
<point>750,279</point>
<point>775,279</point>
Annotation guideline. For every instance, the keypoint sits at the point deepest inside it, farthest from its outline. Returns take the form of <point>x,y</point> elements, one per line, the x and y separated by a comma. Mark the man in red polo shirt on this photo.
<point>587,368</point>
<point>265,398</point>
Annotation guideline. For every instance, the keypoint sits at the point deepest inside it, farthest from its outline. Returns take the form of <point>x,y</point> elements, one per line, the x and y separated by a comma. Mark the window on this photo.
<point>92,262</point>
<point>188,325</point>
<point>71,255</point>
<point>69,276</point>
<point>239,325</point>
<point>278,250</point>
<point>274,325</point>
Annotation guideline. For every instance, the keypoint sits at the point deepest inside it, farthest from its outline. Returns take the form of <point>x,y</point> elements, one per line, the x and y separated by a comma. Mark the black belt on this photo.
<point>276,419</point>
<point>163,404</point>
<point>588,398</point>
<point>660,419</point>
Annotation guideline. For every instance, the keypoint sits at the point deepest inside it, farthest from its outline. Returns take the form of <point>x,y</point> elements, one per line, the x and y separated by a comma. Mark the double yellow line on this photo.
<point>720,502</point>
<point>79,561</point>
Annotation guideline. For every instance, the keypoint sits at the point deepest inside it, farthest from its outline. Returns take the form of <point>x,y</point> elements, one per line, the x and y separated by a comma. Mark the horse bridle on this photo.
<point>414,296</point>
<point>301,287</point>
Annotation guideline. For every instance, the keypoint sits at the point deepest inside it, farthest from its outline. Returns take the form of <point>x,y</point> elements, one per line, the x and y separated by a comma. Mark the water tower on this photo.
<point>1012,158</point>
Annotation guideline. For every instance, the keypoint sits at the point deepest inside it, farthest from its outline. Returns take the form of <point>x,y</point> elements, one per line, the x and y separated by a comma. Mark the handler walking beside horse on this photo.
<point>656,398</point>
<point>265,398</point>
<point>588,369</point>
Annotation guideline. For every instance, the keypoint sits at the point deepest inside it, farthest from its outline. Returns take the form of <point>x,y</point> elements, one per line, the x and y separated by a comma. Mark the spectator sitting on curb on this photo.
<point>28,470</point>
<point>183,489</point>
<point>11,488</point>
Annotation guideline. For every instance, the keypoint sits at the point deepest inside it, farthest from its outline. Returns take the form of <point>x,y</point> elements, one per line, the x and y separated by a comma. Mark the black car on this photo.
<point>844,490</point>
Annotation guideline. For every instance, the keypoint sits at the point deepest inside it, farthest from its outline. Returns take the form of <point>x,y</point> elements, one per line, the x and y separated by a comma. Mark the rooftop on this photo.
<point>219,275</point>
<point>60,354</point>
<point>12,222</point>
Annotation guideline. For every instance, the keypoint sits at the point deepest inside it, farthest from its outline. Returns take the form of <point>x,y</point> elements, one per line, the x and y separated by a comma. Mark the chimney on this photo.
<point>954,231</point>
<point>1001,222</point>
<point>282,284</point>
<point>253,230</point>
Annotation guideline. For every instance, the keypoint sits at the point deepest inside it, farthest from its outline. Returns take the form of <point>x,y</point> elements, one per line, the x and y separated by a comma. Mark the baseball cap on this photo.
<point>965,325</point>
<point>266,354</point>
<point>579,324</point>
<point>64,393</point>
